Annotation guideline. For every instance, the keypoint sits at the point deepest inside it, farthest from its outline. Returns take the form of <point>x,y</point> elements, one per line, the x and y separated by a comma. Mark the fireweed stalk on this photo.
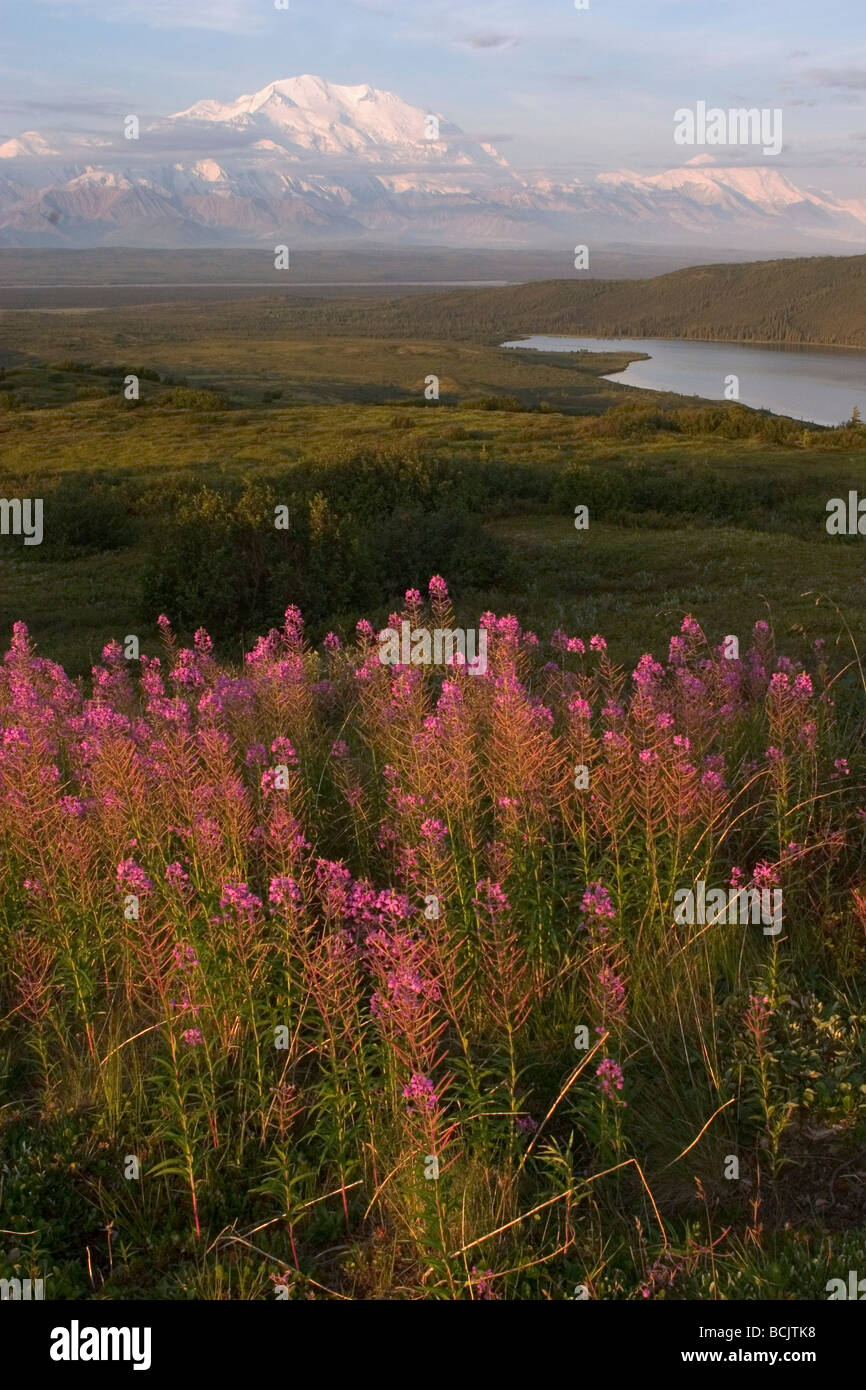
<point>313,920</point>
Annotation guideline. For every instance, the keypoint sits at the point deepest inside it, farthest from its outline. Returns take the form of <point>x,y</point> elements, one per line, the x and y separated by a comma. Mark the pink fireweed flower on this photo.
<point>482,1287</point>
<point>174,873</point>
<point>450,698</point>
<point>186,672</point>
<point>540,713</point>
<point>334,882</point>
<point>398,957</point>
<point>284,750</point>
<point>491,900</point>
<point>386,909</point>
<point>610,1078</point>
<point>239,897</point>
<point>293,625</point>
<point>612,993</point>
<point>192,1037</point>
<point>576,645</point>
<point>184,956</point>
<point>21,639</point>
<point>596,905</point>
<point>131,876</point>
<point>757,1017</point>
<point>579,708</point>
<point>597,644</point>
<point>206,832</point>
<point>842,768</point>
<point>73,806</point>
<point>437,588</point>
<point>713,781</point>
<point>16,737</point>
<point>422,1092</point>
<point>339,749</point>
<point>413,598</point>
<point>647,671</point>
<point>283,891</point>
<point>766,875</point>
<point>433,830</point>
<point>331,642</point>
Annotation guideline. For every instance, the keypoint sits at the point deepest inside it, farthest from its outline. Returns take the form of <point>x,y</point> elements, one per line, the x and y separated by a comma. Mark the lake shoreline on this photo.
<point>809,346</point>
<point>817,386</point>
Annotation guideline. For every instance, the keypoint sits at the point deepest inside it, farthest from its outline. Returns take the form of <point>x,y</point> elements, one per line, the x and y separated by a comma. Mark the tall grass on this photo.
<point>367,981</point>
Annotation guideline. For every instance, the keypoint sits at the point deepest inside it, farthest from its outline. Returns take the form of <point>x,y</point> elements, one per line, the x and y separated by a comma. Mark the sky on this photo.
<point>557,89</point>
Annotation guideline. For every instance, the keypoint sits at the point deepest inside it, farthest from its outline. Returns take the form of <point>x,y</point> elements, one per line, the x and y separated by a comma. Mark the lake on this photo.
<point>818,385</point>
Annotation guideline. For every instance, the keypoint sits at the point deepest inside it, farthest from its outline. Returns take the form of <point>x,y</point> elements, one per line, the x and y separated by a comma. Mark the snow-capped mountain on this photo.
<point>304,160</point>
<point>303,116</point>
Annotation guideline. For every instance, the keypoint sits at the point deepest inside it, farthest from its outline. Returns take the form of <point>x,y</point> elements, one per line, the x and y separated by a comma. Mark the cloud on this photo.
<point>74,106</point>
<point>489,39</point>
<point>840,99</point>
<point>852,78</point>
<point>226,16</point>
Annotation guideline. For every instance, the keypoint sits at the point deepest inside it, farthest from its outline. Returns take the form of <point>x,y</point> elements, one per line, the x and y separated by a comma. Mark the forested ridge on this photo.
<point>818,300</point>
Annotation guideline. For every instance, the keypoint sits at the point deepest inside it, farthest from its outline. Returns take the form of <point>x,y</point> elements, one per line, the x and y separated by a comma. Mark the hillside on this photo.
<point>819,299</point>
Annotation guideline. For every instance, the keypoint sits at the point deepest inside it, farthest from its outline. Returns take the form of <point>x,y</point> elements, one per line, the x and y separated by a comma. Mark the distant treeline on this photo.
<point>821,299</point>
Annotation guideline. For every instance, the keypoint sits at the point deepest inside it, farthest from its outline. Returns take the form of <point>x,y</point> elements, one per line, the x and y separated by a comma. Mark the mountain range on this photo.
<point>304,161</point>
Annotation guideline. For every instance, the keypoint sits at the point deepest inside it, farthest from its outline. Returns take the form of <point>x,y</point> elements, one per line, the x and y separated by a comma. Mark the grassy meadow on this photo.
<point>377,974</point>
